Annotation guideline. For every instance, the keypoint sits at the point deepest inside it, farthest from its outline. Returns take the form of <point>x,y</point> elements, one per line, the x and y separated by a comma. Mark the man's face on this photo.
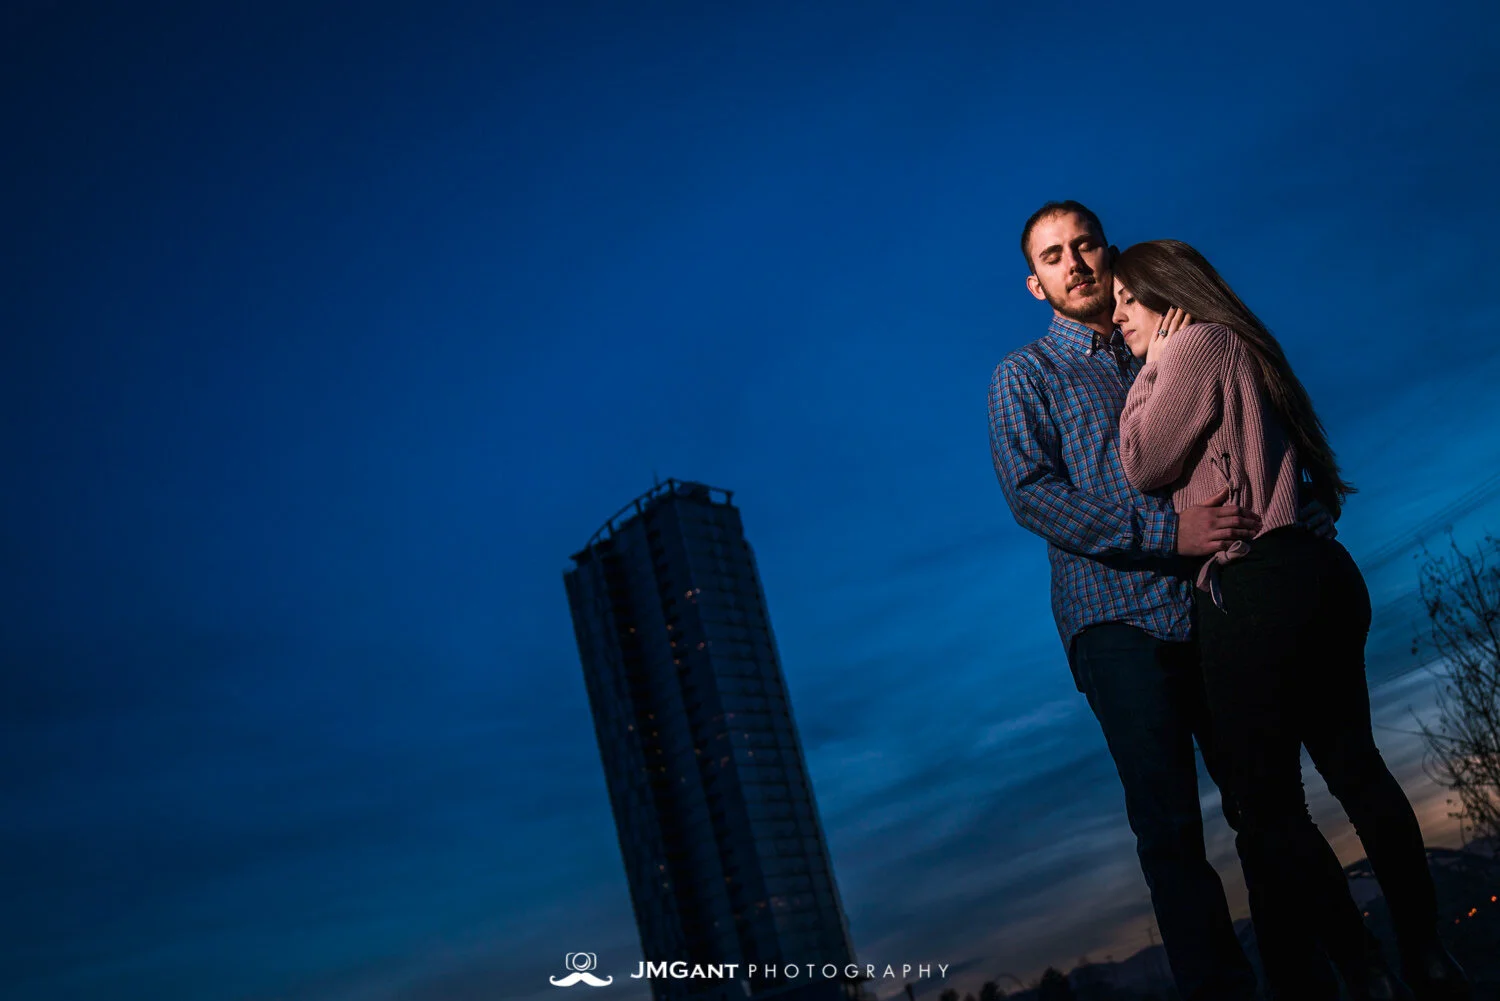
<point>1071,266</point>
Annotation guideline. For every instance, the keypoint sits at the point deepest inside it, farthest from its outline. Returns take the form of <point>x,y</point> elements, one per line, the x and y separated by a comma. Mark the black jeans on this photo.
<point>1148,696</point>
<point>1284,668</point>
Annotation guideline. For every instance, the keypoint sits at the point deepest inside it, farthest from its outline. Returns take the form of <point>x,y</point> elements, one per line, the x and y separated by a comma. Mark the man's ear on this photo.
<point>1114,255</point>
<point>1034,286</point>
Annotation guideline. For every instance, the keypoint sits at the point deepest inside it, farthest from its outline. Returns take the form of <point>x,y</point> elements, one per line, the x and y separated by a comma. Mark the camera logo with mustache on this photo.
<point>581,963</point>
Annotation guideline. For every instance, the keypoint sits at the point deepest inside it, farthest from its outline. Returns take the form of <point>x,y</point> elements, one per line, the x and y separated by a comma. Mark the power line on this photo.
<point>1442,518</point>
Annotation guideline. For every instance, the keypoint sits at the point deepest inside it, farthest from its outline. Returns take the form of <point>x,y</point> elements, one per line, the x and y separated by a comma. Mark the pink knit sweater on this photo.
<point>1197,420</point>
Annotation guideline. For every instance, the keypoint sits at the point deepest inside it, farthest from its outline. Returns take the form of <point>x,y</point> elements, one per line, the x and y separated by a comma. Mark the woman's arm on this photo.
<point>1172,404</point>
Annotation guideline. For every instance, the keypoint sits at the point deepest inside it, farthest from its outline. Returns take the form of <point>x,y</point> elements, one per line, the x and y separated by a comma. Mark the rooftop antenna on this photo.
<point>655,480</point>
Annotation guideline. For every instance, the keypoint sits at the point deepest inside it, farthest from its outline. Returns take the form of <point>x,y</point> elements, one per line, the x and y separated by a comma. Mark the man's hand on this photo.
<point>1315,518</point>
<point>1206,528</point>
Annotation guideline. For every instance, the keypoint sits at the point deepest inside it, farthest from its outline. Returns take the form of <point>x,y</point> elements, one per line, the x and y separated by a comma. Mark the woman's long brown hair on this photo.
<point>1165,273</point>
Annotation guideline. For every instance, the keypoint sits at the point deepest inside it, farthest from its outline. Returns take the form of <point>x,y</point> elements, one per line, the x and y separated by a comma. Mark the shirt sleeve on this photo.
<point>1174,400</point>
<point>1025,448</point>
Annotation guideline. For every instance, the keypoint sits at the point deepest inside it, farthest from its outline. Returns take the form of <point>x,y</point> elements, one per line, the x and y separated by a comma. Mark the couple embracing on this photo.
<point>1159,441</point>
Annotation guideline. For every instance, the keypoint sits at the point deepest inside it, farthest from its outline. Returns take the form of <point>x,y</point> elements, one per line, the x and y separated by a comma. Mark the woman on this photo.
<point>1282,621</point>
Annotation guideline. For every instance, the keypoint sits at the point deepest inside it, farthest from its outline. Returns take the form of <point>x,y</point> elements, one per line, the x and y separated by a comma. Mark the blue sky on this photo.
<point>332,330</point>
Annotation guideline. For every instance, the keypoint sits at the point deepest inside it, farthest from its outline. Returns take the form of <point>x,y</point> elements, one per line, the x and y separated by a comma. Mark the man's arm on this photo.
<point>1025,446</point>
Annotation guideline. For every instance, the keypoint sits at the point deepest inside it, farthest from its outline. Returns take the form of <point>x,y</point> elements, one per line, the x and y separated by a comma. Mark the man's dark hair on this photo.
<point>1051,209</point>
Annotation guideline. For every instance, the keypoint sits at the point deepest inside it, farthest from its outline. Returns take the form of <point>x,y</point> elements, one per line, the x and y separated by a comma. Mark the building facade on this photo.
<point>723,847</point>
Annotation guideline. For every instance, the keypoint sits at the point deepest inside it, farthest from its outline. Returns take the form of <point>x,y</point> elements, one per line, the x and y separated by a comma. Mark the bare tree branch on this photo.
<point>1460,592</point>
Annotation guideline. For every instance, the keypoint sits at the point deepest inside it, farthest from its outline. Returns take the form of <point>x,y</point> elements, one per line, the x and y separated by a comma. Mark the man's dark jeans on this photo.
<point>1148,696</point>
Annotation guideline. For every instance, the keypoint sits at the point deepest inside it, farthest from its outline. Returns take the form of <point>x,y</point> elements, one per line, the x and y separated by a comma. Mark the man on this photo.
<point>1120,594</point>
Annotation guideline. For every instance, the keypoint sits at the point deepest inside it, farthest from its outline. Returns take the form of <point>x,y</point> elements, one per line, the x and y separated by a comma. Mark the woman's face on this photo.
<point>1135,321</point>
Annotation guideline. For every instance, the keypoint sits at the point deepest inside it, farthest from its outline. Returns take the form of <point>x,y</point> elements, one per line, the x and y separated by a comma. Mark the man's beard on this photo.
<point>1094,308</point>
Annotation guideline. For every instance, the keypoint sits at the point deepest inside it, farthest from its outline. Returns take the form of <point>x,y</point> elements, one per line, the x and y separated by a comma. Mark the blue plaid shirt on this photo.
<point>1054,437</point>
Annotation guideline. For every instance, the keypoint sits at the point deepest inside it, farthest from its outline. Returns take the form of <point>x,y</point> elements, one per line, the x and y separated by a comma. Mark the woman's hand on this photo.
<point>1174,321</point>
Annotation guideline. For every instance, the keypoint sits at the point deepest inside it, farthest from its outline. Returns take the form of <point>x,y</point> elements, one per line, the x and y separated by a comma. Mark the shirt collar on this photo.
<point>1083,338</point>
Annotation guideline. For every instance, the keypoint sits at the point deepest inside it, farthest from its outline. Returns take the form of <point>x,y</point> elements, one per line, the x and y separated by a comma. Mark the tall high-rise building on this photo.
<point>723,847</point>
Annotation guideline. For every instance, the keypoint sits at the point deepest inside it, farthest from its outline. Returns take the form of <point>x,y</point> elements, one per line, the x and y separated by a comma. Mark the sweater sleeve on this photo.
<point>1172,405</point>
